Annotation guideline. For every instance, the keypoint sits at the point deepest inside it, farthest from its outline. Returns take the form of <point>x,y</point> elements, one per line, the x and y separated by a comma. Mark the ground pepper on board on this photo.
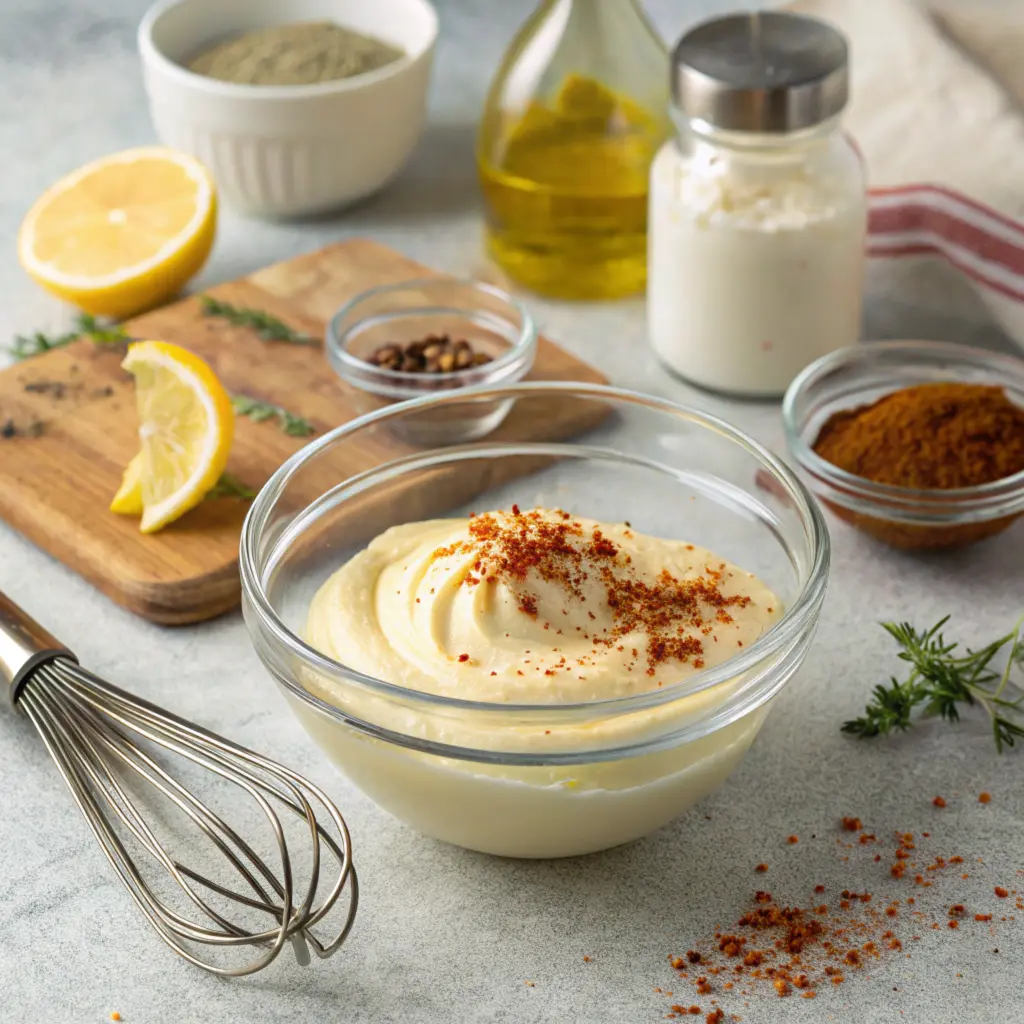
<point>938,436</point>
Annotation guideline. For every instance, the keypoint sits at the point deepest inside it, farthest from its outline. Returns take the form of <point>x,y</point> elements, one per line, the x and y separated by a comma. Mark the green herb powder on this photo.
<point>302,54</point>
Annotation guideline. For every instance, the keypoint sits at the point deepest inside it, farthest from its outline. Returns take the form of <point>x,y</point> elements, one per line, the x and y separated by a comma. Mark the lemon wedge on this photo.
<point>128,500</point>
<point>123,233</point>
<point>186,425</point>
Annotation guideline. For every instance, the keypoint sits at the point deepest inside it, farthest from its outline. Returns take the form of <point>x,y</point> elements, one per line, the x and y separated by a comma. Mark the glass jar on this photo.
<point>573,118</point>
<point>758,209</point>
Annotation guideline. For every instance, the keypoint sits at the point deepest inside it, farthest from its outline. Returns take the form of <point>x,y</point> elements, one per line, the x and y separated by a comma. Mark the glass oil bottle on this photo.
<point>575,114</point>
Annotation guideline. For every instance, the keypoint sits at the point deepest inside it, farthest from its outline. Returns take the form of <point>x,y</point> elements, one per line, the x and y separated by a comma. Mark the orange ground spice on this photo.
<point>929,437</point>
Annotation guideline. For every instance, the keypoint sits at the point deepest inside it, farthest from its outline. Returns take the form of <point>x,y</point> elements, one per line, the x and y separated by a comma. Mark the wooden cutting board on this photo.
<point>55,486</point>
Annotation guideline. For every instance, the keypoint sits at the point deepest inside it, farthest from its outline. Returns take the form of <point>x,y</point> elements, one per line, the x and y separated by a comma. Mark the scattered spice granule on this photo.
<point>463,657</point>
<point>984,798</point>
<point>1001,892</point>
<point>529,984</point>
<point>852,824</point>
<point>703,986</point>
<point>808,995</point>
<point>715,1016</point>
<point>792,839</point>
<point>115,1016</point>
<point>694,1010</point>
<point>982,917</point>
<point>939,802</point>
<point>781,986</point>
<point>586,959</point>
<point>954,923</point>
<point>693,956</point>
<point>819,888</point>
<point>762,868</point>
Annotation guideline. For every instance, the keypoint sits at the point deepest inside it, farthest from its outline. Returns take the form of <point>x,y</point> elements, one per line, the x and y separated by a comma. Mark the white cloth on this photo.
<point>934,101</point>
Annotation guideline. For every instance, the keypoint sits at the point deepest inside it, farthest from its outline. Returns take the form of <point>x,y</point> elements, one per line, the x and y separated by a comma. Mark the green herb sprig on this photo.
<point>86,326</point>
<point>229,486</point>
<point>257,411</point>
<point>266,326</point>
<point>941,680</point>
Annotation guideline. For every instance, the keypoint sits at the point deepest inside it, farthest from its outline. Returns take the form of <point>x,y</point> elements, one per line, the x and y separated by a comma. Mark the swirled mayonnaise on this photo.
<point>535,607</point>
<point>546,609</point>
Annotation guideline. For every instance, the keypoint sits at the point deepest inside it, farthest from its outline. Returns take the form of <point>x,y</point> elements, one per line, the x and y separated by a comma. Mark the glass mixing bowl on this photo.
<point>534,780</point>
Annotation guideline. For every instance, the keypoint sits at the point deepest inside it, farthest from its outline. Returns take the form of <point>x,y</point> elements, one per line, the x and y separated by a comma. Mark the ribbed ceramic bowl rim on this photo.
<point>359,371</point>
<point>152,54</point>
<point>799,618</point>
<point>906,504</point>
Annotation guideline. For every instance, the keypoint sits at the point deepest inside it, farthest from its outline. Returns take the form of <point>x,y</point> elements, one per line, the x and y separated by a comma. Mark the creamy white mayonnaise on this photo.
<point>544,609</point>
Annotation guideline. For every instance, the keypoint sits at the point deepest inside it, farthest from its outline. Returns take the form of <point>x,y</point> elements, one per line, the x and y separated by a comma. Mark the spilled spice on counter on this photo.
<point>781,950</point>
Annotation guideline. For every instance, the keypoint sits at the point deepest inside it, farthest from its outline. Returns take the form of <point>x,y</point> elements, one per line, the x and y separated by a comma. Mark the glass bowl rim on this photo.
<point>349,365</point>
<point>892,498</point>
<point>796,618</point>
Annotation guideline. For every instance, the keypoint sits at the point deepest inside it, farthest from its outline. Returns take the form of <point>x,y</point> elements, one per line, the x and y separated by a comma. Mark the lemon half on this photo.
<point>123,233</point>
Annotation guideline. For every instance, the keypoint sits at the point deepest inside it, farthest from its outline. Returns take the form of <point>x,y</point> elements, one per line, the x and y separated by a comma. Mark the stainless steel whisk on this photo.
<point>87,726</point>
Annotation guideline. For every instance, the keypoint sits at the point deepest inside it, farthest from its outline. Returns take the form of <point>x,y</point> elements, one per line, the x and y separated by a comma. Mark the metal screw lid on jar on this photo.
<point>761,72</point>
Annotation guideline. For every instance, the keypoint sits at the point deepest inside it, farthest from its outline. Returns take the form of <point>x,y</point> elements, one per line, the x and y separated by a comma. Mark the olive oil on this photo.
<point>564,170</point>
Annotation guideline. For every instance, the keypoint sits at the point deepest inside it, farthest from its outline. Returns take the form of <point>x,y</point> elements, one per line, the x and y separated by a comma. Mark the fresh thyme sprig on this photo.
<point>229,486</point>
<point>257,411</point>
<point>266,326</point>
<point>940,680</point>
<point>86,325</point>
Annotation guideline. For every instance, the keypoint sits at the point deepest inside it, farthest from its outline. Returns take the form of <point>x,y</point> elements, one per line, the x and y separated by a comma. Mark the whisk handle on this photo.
<point>24,646</point>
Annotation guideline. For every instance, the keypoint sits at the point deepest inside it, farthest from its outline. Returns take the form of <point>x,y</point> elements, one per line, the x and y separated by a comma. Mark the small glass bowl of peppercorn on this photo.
<point>416,338</point>
<point>919,444</point>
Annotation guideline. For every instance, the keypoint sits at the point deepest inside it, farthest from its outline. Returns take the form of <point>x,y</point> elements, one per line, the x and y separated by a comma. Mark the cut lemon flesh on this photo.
<point>128,500</point>
<point>123,233</point>
<point>186,425</point>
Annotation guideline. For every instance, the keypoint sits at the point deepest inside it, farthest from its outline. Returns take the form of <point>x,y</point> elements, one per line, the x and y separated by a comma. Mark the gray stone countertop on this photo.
<point>442,934</point>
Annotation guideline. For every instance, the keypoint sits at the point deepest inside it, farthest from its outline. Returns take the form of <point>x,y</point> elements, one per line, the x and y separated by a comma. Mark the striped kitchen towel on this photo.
<point>933,111</point>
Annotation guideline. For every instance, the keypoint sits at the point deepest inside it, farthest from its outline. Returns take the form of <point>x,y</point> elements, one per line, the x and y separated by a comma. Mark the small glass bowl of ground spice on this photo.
<point>416,338</point>
<point>919,444</point>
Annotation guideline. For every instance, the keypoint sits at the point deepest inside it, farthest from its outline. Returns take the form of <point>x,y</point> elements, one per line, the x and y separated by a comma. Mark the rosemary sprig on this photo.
<point>86,325</point>
<point>257,411</point>
<point>266,326</point>
<point>229,486</point>
<point>941,680</point>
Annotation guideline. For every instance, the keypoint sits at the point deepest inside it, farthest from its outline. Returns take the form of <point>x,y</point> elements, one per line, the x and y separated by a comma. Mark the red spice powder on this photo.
<point>984,798</point>
<point>762,868</point>
<point>939,802</point>
<point>514,549</point>
<point>795,950</point>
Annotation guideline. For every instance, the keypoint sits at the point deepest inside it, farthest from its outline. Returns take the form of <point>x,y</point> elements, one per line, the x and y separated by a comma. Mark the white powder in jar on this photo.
<point>755,267</point>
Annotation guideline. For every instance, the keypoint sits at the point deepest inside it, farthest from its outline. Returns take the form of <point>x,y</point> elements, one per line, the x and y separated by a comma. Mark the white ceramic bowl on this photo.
<point>284,151</point>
